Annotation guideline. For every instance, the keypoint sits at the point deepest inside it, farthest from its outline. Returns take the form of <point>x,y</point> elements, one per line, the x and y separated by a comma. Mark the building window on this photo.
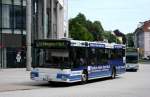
<point>17,17</point>
<point>24,17</point>
<point>17,2</point>
<point>5,16</point>
<point>6,2</point>
<point>24,2</point>
<point>14,16</point>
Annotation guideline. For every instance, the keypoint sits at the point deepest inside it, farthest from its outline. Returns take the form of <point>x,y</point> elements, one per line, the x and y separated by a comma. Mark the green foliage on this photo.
<point>110,37</point>
<point>81,19</point>
<point>130,42</point>
<point>82,29</point>
<point>97,30</point>
<point>79,32</point>
<point>98,27</point>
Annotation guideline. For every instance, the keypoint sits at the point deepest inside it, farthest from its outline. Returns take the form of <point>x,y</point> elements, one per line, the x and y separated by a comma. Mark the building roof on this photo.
<point>118,33</point>
<point>143,27</point>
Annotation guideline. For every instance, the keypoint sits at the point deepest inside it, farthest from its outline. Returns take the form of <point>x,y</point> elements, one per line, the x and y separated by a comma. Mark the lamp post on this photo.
<point>1,34</point>
<point>28,35</point>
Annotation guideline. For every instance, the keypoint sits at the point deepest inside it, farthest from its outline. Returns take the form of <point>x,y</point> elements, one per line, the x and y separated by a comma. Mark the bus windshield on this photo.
<point>56,58</point>
<point>131,59</point>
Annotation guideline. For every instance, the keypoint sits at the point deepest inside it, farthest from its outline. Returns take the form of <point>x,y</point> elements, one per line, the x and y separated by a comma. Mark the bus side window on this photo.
<point>92,56</point>
<point>114,54</point>
<point>78,57</point>
<point>119,53</point>
<point>72,56</point>
<point>123,52</point>
<point>102,56</point>
<point>106,52</point>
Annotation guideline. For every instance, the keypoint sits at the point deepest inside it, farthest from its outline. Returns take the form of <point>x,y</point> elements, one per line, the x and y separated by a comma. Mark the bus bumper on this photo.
<point>132,66</point>
<point>37,76</point>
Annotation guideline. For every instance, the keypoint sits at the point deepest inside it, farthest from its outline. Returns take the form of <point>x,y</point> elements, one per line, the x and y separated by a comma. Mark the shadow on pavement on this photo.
<point>132,70</point>
<point>60,84</point>
<point>30,85</point>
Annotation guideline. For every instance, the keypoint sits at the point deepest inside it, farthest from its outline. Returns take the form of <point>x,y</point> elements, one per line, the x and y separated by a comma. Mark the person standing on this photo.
<point>18,59</point>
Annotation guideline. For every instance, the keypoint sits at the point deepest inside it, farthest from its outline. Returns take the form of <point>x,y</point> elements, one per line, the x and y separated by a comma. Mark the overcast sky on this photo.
<point>113,14</point>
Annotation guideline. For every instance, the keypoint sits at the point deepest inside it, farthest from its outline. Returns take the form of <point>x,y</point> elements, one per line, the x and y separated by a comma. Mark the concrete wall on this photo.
<point>147,44</point>
<point>140,39</point>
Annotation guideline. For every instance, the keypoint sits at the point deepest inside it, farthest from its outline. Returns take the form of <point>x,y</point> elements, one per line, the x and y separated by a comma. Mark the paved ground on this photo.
<point>16,83</point>
<point>16,79</point>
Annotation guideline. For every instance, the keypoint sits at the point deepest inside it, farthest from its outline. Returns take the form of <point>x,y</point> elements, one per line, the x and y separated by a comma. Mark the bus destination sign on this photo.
<point>50,44</point>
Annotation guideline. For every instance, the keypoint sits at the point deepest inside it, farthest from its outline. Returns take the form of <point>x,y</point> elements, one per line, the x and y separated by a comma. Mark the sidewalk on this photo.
<point>16,79</point>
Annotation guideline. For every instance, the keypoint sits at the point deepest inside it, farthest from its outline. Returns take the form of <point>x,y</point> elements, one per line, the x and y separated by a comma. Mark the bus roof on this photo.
<point>80,43</point>
<point>97,44</point>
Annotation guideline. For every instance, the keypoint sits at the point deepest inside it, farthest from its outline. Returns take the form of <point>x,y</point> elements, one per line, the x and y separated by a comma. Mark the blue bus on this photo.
<point>73,60</point>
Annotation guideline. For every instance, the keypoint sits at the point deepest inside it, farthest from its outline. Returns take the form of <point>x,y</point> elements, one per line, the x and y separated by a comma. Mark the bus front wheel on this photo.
<point>84,78</point>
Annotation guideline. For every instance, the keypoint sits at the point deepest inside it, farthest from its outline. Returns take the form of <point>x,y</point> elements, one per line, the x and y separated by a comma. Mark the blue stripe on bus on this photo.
<point>74,78</point>
<point>60,76</point>
<point>67,76</point>
<point>99,74</point>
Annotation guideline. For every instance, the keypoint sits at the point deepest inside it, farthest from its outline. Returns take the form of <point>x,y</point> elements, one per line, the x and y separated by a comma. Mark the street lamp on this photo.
<point>28,35</point>
<point>1,33</point>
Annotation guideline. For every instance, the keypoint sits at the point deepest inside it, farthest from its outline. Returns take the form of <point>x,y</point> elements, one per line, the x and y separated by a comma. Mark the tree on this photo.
<point>89,26</point>
<point>110,37</point>
<point>98,27</point>
<point>78,29</point>
<point>97,30</point>
<point>90,30</point>
<point>79,32</point>
<point>130,42</point>
<point>81,19</point>
<point>82,29</point>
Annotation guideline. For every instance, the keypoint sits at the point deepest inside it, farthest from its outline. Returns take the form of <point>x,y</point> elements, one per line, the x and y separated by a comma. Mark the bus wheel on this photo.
<point>113,74</point>
<point>84,78</point>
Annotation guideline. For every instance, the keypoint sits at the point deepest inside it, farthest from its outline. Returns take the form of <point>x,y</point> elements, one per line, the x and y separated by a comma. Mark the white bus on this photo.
<point>72,60</point>
<point>132,59</point>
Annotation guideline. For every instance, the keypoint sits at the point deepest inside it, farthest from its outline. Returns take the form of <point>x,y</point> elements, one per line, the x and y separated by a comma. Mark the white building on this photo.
<point>142,38</point>
<point>52,18</point>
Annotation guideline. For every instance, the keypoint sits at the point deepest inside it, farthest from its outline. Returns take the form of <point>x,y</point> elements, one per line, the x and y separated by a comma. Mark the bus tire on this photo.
<point>51,83</point>
<point>113,74</point>
<point>135,70</point>
<point>84,77</point>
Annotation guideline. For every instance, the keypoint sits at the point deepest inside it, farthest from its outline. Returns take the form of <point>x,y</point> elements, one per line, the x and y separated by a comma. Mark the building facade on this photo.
<point>49,20</point>
<point>142,39</point>
<point>12,31</point>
